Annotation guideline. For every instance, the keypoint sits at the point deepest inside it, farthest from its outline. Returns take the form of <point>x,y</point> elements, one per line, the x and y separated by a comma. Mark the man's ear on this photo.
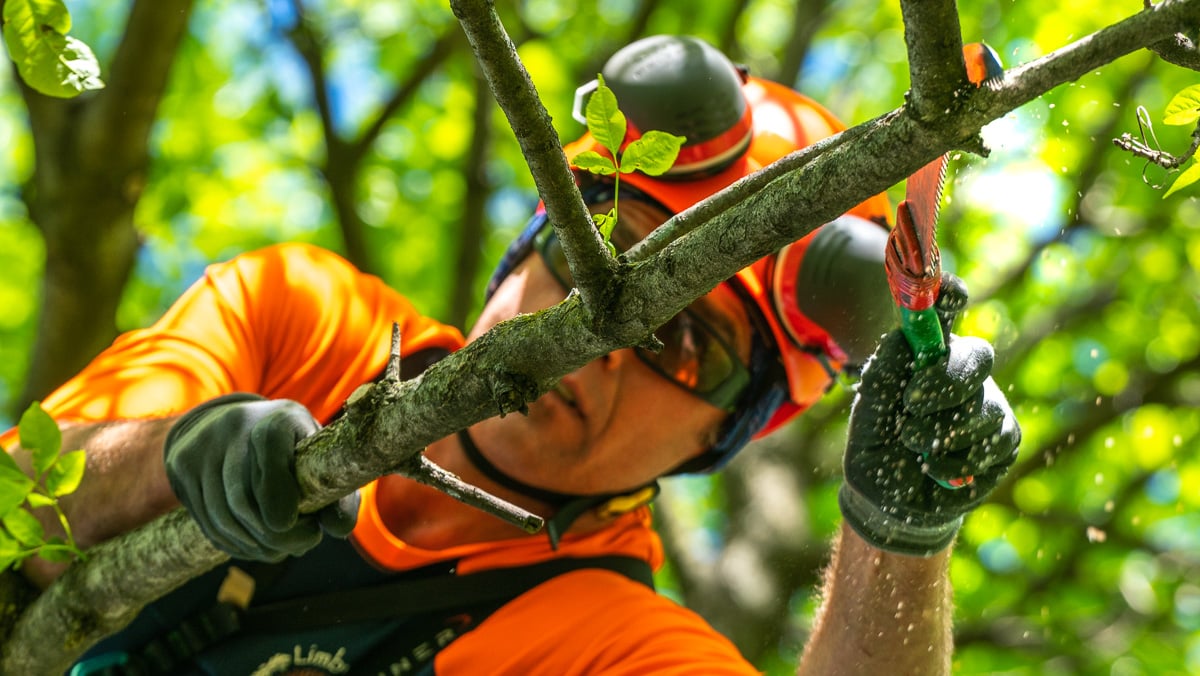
<point>843,288</point>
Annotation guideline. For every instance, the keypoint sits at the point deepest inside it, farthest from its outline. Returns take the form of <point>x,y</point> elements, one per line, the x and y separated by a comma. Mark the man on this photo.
<point>205,407</point>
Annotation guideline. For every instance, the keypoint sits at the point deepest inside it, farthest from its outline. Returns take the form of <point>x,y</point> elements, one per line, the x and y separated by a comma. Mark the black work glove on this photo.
<point>230,462</point>
<point>913,434</point>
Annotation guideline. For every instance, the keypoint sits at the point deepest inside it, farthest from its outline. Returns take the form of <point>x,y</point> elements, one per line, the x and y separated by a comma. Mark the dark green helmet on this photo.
<point>682,85</point>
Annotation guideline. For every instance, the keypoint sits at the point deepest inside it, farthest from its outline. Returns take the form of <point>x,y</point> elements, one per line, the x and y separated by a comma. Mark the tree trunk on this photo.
<point>91,155</point>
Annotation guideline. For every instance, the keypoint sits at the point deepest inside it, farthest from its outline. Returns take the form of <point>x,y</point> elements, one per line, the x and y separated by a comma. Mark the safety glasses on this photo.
<point>698,354</point>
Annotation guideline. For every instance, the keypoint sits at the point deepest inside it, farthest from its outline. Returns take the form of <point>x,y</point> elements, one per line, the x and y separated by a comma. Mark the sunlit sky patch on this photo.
<point>1014,183</point>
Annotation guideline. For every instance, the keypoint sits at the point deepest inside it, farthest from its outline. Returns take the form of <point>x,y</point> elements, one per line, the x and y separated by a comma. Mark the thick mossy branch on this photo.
<point>103,594</point>
<point>16,593</point>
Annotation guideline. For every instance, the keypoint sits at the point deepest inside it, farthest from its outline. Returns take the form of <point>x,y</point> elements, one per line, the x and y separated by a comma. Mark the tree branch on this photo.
<point>342,159</point>
<point>427,66</point>
<point>122,114</point>
<point>591,265</point>
<point>937,71</point>
<point>100,596</point>
<point>1179,49</point>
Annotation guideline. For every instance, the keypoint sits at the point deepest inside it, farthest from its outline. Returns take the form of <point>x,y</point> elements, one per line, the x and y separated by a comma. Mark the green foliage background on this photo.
<point>1088,558</point>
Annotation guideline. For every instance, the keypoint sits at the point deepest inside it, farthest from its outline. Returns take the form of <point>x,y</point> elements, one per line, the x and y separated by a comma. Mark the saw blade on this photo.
<point>923,192</point>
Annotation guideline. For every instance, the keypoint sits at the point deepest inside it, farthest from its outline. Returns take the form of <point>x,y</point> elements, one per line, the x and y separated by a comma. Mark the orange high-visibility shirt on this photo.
<point>294,321</point>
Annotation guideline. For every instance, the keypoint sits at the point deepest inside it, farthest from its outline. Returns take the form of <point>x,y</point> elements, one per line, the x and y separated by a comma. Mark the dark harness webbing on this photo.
<point>431,612</point>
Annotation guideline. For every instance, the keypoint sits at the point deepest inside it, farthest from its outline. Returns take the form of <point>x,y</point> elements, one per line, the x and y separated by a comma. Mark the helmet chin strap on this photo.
<point>568,507</point>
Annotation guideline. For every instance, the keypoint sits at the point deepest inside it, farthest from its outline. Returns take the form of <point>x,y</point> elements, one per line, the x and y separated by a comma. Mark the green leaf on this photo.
<point>1185,179</point>
<point>606,223</point>
<point>50,61</point>
<point>58,553</point>
<point>24,527</point>
<point>40,436</point>
<point>10,552</point>
<point>604,119</point>
<point>38,500</point>
<point>64,476</point>
<point>1184,107</point>
<point>652,154</point>
<point>594,162</point>
<point>14,485</point>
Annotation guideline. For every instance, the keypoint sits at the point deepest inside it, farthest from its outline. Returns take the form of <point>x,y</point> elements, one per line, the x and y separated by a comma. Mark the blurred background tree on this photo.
<point>362,126</point>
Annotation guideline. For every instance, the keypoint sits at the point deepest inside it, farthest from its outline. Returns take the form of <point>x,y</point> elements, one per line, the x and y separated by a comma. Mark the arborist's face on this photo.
<point>623,419</point>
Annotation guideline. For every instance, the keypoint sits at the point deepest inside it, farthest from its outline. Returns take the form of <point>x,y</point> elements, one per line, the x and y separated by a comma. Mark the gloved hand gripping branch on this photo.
<point>909,429</point>
<point>230,462</point>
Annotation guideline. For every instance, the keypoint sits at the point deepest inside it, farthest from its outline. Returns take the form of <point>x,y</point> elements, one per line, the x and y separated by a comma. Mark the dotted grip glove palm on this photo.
<point>912,433</point>
<point>230,462</point>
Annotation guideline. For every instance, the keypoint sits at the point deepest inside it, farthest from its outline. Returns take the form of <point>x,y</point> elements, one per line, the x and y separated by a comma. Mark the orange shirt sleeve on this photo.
<point>288,321</point>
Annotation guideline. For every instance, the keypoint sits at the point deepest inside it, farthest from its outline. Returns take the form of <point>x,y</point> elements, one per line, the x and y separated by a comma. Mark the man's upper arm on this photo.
<point>288,321</point>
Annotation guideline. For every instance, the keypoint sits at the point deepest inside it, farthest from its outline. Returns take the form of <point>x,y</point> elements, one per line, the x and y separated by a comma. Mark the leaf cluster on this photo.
<point>652,153</point>
<point>55,474</point>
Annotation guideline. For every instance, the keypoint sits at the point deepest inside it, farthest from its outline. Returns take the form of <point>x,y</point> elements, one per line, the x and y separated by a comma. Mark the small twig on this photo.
<point>425,471</point>
<point>421,469</point>
<point>392,374</point>
<point>1156,155</point>
<point>1162,158</point>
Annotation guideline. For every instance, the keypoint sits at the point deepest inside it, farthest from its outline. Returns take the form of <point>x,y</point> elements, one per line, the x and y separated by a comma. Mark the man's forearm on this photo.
<point>124,485</point>
<point>882,613</point>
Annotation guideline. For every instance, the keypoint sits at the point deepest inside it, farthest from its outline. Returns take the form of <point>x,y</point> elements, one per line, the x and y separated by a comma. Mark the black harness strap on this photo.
<point>417,597</point>
<point>431,611</point>
<point>413,646</point>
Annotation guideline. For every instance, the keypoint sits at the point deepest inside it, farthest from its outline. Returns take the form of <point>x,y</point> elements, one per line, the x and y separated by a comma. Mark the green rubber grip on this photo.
<point>924,333</point>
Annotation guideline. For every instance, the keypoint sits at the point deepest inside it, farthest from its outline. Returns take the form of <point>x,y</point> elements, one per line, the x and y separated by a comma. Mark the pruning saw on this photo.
<point>912,260</point>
